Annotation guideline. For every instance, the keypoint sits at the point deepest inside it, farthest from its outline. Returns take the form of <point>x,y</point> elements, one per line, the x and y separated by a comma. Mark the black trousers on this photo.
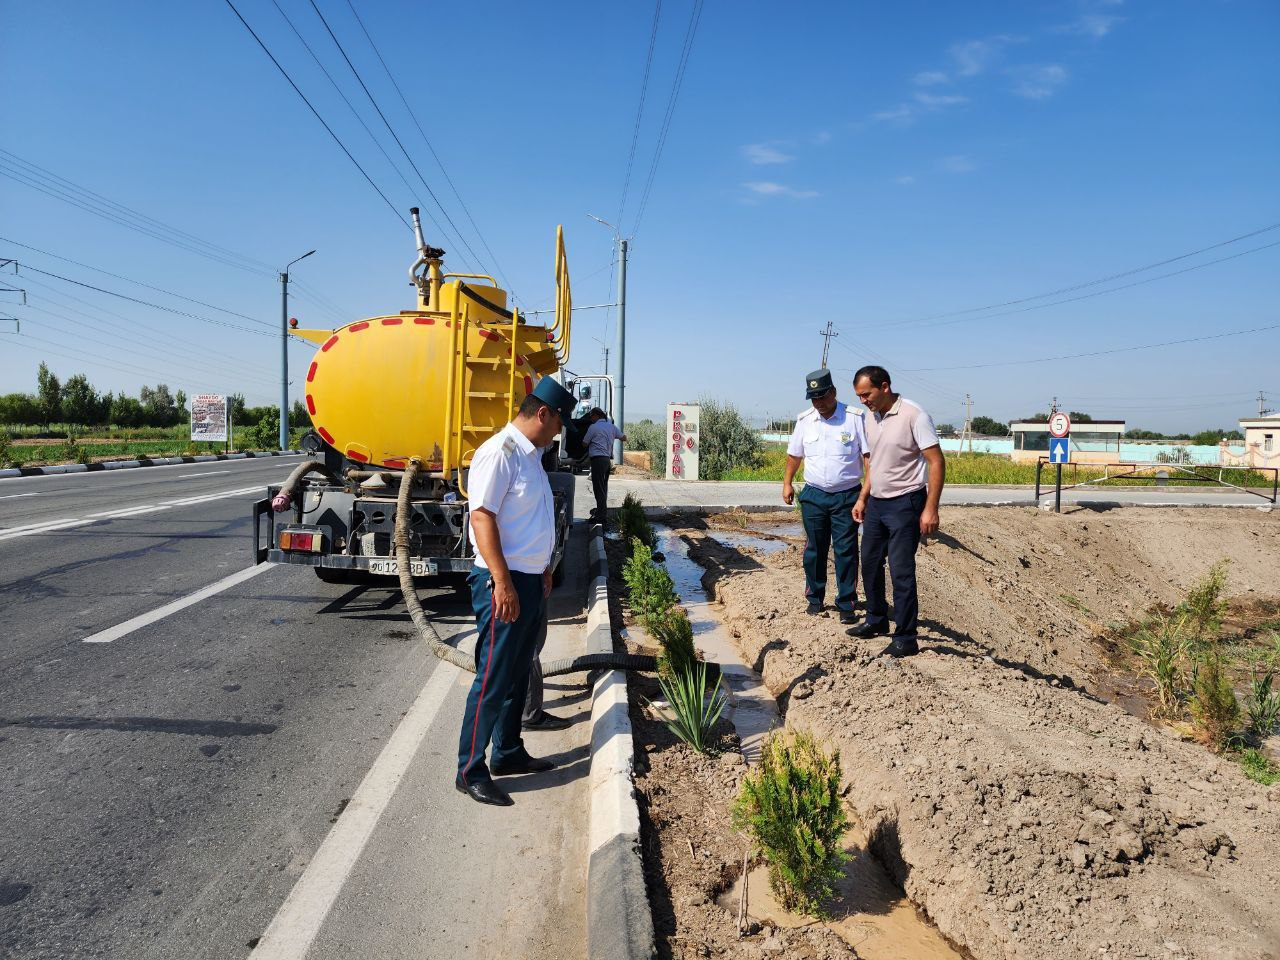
<point>600,467</point>
<point>891,529</point>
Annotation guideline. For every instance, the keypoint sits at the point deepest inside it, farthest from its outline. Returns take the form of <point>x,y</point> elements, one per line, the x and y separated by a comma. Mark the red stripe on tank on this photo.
<point>356,455</point>
<point>311,374</point>
<point>528,384</point>
<point>311,405</point>
<point>329,343</point>
<point>424,321</point>
<point>392,322</point>
<point>355,327</point>
<point>328,437</point>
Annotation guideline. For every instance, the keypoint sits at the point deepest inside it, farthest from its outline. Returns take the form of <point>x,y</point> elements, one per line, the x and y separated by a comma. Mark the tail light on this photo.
<point>305,542</point>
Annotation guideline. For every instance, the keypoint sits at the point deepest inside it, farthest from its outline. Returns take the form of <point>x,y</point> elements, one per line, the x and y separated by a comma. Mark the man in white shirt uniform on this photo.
<point>513,527</point>
<point>599,442</point>
<point>830,442</point>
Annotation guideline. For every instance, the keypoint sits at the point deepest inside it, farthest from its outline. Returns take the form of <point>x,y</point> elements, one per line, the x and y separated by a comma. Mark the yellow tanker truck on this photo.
<point>427,385</point>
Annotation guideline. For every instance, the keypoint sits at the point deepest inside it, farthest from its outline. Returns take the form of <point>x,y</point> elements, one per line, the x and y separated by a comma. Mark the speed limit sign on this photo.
<point>1059,425</point>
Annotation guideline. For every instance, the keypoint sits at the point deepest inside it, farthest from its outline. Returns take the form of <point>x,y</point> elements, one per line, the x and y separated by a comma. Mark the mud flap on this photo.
<point>259,551</point>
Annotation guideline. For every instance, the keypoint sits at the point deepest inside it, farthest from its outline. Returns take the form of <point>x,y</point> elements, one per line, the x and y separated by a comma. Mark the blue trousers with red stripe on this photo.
<point>504,655</point>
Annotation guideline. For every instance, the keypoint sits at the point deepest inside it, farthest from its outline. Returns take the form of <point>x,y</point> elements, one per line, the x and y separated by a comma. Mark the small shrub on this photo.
<point>791,806</point>
<point>632,523</point>
<point>1204,605</point>
<point>1263,704</point>
<point>674,634</point>
<point>650,436</point>
<point>6,452</point>
<point>727,441</point>
<point>652,591</point>
<point>1213,702</point>
<point>1162,646</point>
<point>694,713</point>
<point>1257,767</point>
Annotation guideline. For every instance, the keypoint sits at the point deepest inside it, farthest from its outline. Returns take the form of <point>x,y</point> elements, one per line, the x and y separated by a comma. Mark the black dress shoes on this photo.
<point>484,791</point>
<point>848,616</point>
<point>813,609</point>
<point>525,764</point>
<point>866,630</point>
<point>901,648</point>
<point>546,721</point>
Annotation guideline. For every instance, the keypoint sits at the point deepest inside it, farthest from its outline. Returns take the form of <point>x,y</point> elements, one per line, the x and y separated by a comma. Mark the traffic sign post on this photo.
<point>1059,451</point>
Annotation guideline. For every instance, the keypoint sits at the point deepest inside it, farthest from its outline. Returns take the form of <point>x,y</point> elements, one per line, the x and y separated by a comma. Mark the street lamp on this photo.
<point>284,351</point>
<point>620,341</point>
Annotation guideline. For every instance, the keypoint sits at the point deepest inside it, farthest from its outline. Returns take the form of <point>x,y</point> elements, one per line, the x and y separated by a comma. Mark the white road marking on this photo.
<point>159,613</point>
<point>299,919</point>
<point>207,473</point>
<point>45,526</point>
<point>133,472</point>
<point>11,496</point>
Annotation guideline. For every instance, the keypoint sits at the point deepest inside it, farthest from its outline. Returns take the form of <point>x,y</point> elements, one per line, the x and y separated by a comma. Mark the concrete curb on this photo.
<point>619,922</point>
<point>143,462</point>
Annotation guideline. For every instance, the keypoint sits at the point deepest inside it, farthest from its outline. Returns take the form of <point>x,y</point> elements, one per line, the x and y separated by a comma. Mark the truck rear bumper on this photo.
<point>386,566</point>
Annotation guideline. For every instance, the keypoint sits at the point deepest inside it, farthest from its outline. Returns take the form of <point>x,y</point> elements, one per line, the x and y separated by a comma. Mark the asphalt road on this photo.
<point>162,793</point>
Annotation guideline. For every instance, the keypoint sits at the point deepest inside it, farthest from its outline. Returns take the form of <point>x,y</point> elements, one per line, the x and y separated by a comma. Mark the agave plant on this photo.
<point>694,713</point>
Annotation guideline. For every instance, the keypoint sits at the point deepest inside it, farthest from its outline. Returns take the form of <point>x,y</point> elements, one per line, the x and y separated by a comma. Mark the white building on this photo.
<point>1261,444</point>
<point>1094,441</point>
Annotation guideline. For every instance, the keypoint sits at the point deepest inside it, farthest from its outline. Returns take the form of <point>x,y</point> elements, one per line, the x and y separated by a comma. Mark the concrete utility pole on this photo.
<point>968,422</point>
<point>620,350</point>
<point>1262,404</point>
<point>284,351</point>
<point>826,344</point>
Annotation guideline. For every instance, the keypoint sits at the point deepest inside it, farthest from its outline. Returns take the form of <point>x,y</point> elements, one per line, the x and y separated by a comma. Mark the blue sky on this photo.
<point>871,164</point>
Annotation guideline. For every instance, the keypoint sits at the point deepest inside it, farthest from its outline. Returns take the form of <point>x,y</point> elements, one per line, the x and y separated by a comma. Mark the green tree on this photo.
<point>19,408</point>
<point>79,401</point>
<point>159,406</point>
<point>1077,417</point>
<point>986,427</point>
<point>235,406</point>
<point>48,395</point>
<point>726,440</point>
<point>126,411</point>
<point>946,430</point>
<point>298,416</point>
<point>650,436</point>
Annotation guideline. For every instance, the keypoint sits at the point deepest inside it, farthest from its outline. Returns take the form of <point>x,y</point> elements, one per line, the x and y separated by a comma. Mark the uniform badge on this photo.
<point>813,383</point>
<point>845,437</point>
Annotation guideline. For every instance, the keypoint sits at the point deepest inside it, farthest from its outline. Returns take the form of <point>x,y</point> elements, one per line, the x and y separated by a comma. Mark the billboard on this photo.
<point>683,440</point>
<point>209,417</point>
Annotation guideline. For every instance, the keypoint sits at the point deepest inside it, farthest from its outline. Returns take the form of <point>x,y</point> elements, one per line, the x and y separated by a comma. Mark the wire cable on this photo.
<point>440,163</point>
<point>695,18</point>
<point>1101,353</point>
<point>390,206</point>
<point>644,90</point>
<point>1094,283</point>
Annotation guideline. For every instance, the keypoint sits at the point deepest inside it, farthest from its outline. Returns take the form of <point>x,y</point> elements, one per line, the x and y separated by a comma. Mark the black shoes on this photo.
<point>546,721</point>
<point>484,791</point>
<point>525,764</point>
<point>865,631</point>
<point>848,616</point>
<point>901,648</point>
<point>814,608</point>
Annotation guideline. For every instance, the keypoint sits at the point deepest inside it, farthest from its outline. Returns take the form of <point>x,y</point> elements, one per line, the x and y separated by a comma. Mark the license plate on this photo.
<point>420,568</point>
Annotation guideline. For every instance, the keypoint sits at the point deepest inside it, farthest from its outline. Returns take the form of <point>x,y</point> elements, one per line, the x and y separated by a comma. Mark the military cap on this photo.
<point>555,396</point>
<point>817,383</point>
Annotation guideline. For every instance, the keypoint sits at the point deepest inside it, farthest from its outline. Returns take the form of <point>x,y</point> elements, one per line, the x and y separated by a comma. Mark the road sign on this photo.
<point>1059,425</point>
<point>1059,451</point>
<point>683,440</point>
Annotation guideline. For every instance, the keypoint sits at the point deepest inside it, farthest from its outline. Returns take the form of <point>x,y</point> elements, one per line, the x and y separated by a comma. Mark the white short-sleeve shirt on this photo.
<point>832,449</point>
<point>599,438</point>
<point>507,479</point>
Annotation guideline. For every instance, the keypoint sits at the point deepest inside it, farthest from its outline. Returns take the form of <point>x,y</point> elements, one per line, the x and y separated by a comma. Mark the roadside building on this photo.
<point>1261,444</point>
<point>1097,441</point>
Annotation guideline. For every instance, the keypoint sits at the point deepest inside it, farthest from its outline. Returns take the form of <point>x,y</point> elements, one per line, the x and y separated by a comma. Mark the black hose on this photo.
<point>581,664</point>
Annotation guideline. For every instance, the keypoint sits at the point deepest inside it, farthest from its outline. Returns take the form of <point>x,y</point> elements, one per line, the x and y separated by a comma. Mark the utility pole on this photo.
<point>620,349</point>
<point>284,351</point>
<point>967,432</point>
<point>1262,404</point>
<point>826,344</point>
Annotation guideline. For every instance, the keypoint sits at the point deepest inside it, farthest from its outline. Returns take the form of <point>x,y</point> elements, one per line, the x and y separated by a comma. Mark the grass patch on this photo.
<point>1258,768</point>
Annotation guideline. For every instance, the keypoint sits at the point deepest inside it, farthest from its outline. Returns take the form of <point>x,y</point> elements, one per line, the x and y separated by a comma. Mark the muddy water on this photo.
<point>752,709</point>
<point>870,912</point>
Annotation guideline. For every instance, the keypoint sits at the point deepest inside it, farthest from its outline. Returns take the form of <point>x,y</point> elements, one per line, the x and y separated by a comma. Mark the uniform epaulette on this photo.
<point>805,414</point>
<point>509,446</point>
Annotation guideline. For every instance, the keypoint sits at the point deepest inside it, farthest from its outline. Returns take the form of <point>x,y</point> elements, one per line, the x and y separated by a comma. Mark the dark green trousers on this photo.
<point>828,523</point>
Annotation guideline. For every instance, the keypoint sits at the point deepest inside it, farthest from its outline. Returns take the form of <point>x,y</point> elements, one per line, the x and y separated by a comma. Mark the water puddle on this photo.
<point>869,912</point>
<point>744,539</point>
<point>752,709</point>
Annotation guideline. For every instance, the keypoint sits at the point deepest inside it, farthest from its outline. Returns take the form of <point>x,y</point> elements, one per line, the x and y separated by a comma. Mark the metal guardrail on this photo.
<point>1191,472</point>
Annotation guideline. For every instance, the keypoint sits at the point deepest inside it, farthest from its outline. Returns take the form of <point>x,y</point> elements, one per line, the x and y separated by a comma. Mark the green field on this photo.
<point>987,468</point>
<point>110,445</point>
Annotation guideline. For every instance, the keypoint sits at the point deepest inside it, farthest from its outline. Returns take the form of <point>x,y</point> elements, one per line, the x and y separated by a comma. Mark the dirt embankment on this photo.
<point>1027,816</point>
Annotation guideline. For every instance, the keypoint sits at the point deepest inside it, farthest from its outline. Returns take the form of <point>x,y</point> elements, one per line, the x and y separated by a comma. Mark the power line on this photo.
<point>695,17</point>
<point>1099,293</point>
<point>1100,353</point>
<point>147,303</point>
<point>394,135</point>
<point>316,113</point>
<point>1094,283</point>
<point>149,286</point>
<point>644,90</point>
<point>440,163</point>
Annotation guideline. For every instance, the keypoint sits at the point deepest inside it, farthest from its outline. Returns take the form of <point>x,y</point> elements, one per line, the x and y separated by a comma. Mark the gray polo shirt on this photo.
<point>895,440</point>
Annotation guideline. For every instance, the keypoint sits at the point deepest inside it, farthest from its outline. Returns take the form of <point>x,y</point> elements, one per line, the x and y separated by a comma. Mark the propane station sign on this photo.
<point>683,440</point>
<point>209,418</point>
